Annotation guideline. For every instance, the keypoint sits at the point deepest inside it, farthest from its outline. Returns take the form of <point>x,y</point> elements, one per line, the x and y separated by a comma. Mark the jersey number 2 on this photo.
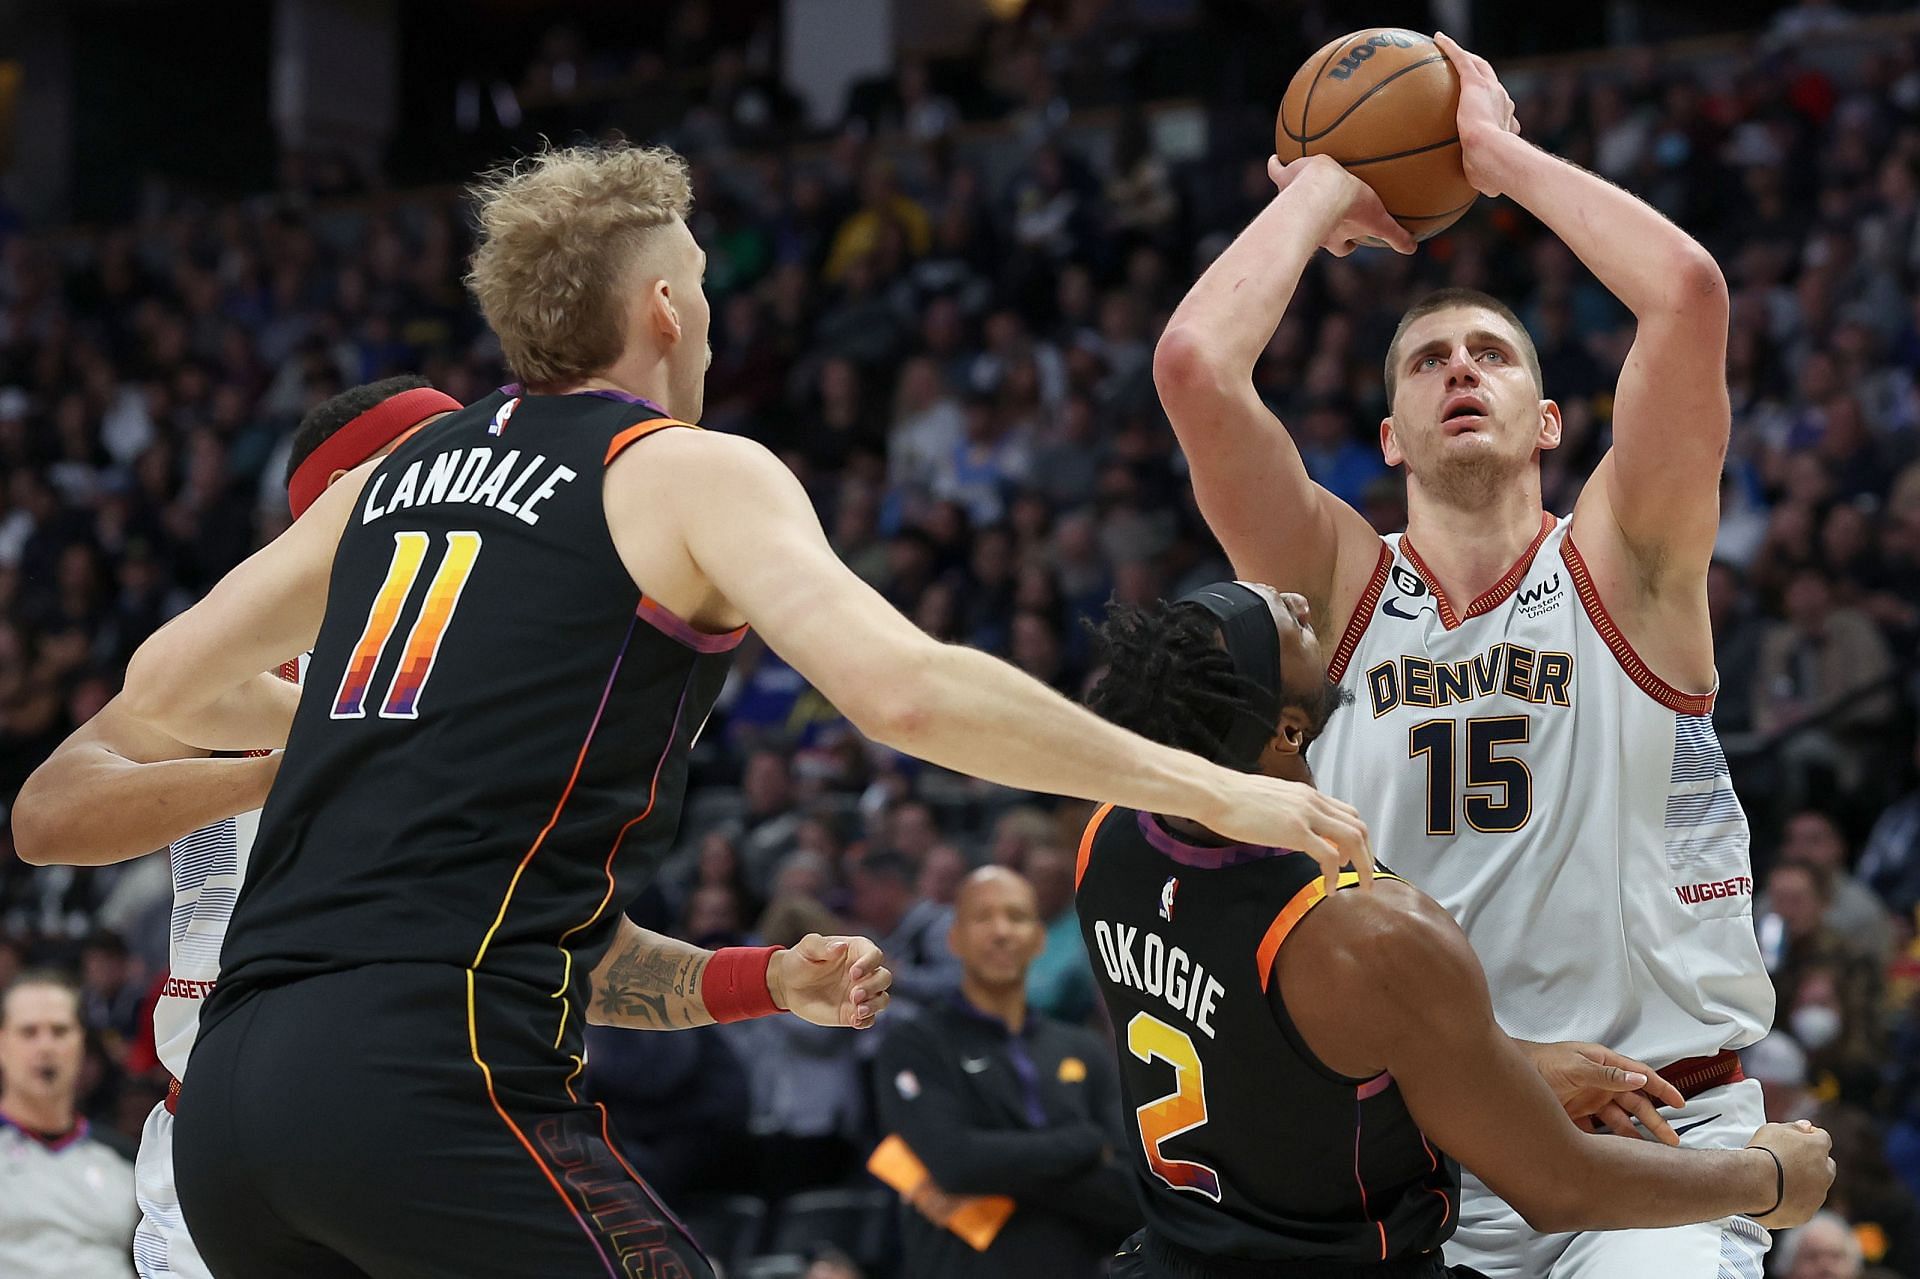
<point>423,640</point>
<point>1501,813</point>
<point>1180,1111</point>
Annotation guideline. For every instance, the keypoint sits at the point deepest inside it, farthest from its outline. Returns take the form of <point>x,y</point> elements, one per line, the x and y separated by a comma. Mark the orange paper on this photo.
<point>977,1220</point>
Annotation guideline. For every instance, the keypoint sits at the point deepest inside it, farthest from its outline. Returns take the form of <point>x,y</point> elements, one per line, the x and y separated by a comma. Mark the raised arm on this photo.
<point>1659,486</point>
<point>751,532</point>
<point>117,789</point>
<point>1275,523</point>
<point>1401,959</point>
<point>198,678</point>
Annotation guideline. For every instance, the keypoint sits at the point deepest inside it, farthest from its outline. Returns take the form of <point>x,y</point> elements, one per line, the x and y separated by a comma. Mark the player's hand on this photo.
<point>1598,1086</point>
<point>1360,217</point>
<point>1806,1163</point>
<point>831,981</point>
<point>1485,119</point>
<point>1280,814</point>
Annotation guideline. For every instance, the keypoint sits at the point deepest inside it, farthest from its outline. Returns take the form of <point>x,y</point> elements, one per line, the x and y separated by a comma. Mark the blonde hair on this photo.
<point>558,231</point>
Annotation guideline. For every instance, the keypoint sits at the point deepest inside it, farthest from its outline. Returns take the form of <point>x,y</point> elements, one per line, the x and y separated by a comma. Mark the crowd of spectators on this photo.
<point>951,346</point>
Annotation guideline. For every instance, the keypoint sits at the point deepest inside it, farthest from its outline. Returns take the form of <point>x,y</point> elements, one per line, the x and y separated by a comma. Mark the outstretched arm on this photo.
<point>117,789</point>
<point>198,678</point>
<point>1660,484</point>
<point>751,531</point>
<point>647,981</point>
<point>1397,958</point>
<point>1276,525</point>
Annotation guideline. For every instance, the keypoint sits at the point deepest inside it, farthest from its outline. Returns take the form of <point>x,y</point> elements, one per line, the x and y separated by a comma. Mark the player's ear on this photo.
<point>662,317</point>
<point>1550,425</point>
<point>1389,446</point>
<point>1294,727</point>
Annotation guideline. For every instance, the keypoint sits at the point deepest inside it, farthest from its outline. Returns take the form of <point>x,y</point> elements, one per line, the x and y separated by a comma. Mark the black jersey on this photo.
<point>491,749</point>
<point>1244,1144</point>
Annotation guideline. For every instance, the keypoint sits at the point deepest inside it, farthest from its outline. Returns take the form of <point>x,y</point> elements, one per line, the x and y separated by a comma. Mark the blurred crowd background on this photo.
<point>936,295</point>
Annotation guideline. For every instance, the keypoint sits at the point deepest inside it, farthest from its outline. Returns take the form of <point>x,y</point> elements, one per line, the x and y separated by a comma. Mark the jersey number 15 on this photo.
<point>1499,790</point>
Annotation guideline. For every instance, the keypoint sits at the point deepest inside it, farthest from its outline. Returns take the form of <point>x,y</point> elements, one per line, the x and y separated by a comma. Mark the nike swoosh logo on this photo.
<point>1389,609</point>
<point>974,1065</point>
<point>1681,1130</point>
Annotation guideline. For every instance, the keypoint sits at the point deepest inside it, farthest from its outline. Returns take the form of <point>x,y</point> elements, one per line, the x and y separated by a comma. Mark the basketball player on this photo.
<point>1295,1064</point>
<point>1532,738</point>
<point>519,623</point>
<point>116,789</point>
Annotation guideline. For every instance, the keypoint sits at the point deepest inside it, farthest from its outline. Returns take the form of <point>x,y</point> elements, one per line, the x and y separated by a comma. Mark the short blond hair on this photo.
<point>558,231</point>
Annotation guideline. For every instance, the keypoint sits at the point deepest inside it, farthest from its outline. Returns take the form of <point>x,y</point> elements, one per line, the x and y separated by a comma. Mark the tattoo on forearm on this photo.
<point>653,986</point>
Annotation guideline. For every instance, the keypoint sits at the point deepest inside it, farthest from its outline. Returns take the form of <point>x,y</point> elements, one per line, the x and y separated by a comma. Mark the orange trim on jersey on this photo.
<point>1433,1165</point>
<point>634,434</point>
<point>506,899</point>
<point>1637,671</point>
<point>1496,594</point>
<point>1362,614</point>
<point>1086,844</point>
<point>1296,910</point>
<point>541,1164</point>
<point>653,791</point>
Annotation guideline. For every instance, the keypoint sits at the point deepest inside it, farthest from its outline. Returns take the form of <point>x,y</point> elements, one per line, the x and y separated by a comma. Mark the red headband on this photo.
<point>361,438</point>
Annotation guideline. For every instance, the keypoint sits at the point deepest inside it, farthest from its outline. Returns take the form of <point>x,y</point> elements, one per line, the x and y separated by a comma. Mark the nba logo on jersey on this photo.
<point>501,415</point>
<point>1167,890</point>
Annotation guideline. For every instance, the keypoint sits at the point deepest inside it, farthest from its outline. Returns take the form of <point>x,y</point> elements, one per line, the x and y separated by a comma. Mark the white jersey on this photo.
<point>1573,811</point>
<point>208,867</point>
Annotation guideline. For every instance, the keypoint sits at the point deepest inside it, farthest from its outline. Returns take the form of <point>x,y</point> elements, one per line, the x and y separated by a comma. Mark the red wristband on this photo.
<point>734,985</point>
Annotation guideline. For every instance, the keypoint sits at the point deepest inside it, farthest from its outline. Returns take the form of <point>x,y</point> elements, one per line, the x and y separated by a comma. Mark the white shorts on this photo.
<point>1494,1240</point>
<point>161,1248</point>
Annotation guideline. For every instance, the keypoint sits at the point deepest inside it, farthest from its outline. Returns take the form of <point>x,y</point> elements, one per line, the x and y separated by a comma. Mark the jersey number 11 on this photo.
<point>423,641</point>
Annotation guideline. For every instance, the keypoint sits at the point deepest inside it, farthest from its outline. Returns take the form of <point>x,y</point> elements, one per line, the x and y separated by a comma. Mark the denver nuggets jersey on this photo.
<point>208,867</point>
<point>489,757</point>
<point>1243,1144</point>
<point>1571,809</point>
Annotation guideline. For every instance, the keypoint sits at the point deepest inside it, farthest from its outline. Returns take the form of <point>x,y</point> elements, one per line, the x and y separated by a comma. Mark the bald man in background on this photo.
<point>998,1099</point>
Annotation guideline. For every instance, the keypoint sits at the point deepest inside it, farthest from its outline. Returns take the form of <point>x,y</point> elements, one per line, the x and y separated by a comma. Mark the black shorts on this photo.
<point>341,1126</point>
<point>1145,1256</point>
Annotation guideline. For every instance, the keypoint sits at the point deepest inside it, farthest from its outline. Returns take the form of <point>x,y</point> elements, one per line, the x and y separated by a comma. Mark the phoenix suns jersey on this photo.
<point>1244,1144</point>
<point>1570,808</point>
<point>490,753</point>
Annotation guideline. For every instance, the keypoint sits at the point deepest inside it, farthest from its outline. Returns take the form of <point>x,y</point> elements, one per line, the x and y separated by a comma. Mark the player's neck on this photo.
<point>46,1114</point>
<point>1469,549</point>
<point>1009,1005</point>
<point>632,375</point>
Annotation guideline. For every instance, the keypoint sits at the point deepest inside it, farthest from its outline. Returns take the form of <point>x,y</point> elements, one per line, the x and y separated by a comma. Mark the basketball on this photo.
<point>1383,103</point>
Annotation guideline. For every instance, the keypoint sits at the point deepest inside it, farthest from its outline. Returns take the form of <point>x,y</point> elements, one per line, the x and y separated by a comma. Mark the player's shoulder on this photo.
<point>1387,941</point>
<point>677,454</point>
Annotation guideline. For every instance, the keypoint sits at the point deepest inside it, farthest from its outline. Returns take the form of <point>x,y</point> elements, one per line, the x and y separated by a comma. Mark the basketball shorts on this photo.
<point>161,1247</point>
<point>1494,1239</point>
<point>1146,1257</point>
<point>345,1125</point>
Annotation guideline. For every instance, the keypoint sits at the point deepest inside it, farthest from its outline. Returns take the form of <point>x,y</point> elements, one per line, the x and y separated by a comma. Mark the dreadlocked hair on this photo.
<point>1168,679</point>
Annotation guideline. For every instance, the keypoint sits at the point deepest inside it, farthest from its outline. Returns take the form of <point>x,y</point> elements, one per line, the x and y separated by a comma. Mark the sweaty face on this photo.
<point>1467,412</point>
<point>1304,690</point>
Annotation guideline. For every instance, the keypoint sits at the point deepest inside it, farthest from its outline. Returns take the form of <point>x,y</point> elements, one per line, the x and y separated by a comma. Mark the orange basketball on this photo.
<point>1383,103</point>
